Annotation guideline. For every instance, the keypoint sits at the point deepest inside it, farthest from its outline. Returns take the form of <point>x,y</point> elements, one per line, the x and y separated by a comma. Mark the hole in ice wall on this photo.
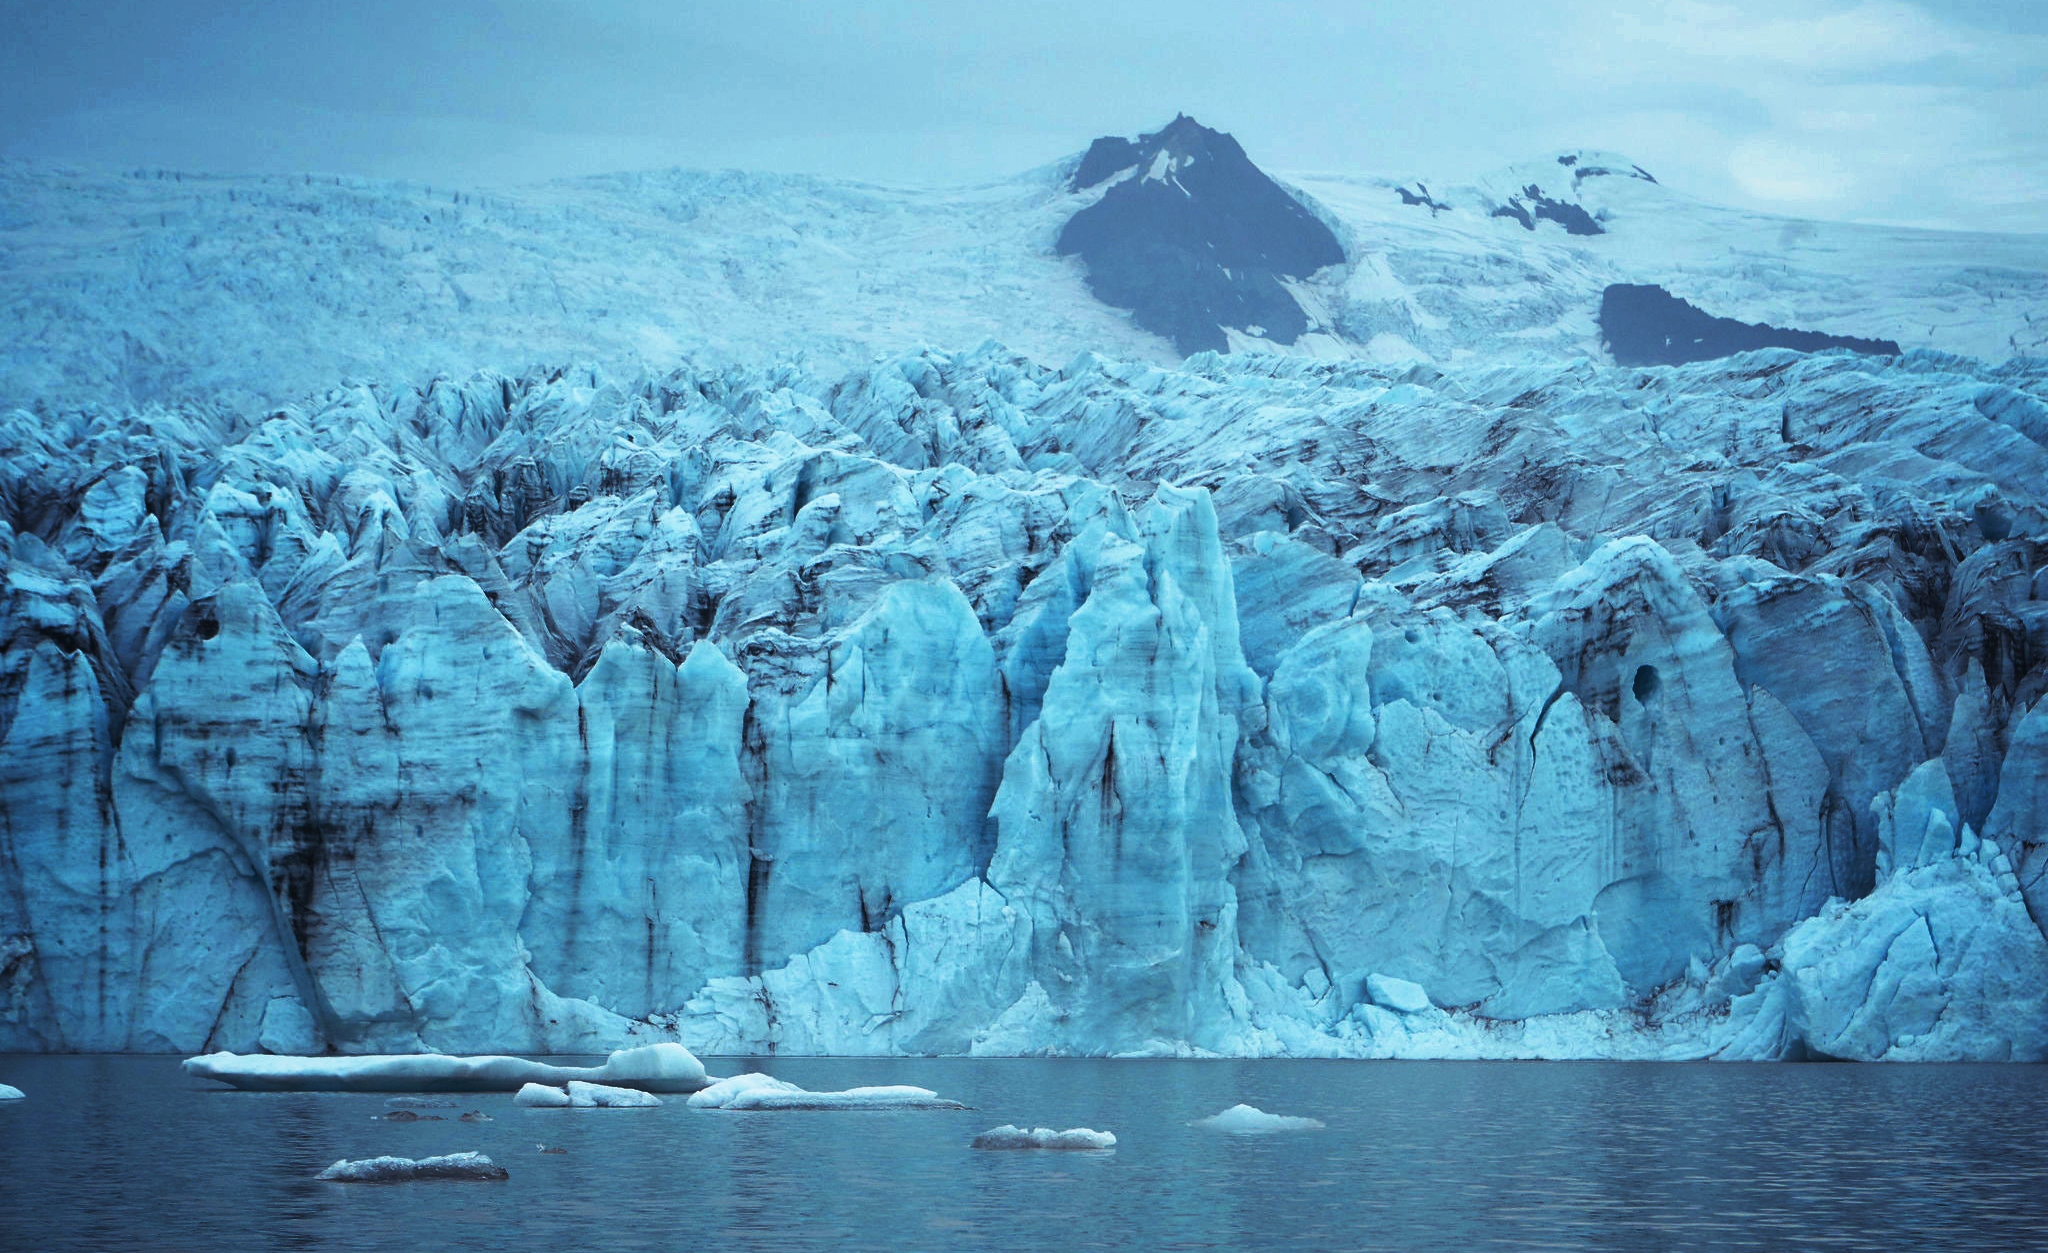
<point>208,627</point>
<point>1647,683</point>
<point>1992,522</point>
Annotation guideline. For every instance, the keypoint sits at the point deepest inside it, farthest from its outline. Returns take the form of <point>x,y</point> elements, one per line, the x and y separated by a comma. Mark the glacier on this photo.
<point>157,286</point>
<point>958,703</point>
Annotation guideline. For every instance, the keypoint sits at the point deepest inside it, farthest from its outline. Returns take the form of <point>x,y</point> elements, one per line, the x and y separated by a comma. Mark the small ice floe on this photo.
<point>406,1115</point>
<point>418,1102</point>
<point>546,1148</point>
<point>475,1115</point>
<point>580,1095</point>
<point>1076,1138</point>
<point>665,1067</point>
<point>722,1091</point>
<point>11,1094</point>
<point>407,1169</point>
<point>764,1092</point>
<point>1244,1120</point>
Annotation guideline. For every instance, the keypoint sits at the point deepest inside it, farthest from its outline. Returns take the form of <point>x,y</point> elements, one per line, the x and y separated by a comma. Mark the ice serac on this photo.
<point>1114,823</point>
<point>963,704</point>
<point>1194,239</point>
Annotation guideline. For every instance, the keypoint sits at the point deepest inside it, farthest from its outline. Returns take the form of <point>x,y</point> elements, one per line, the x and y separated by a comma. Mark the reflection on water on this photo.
<point>126,1153</point>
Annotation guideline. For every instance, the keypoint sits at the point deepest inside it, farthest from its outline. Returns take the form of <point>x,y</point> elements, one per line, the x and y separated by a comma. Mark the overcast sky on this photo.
<point>1928,111</point>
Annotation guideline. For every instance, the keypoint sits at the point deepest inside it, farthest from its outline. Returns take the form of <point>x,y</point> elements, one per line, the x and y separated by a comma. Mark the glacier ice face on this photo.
<point>1939,963</point>
<point>964,705</point>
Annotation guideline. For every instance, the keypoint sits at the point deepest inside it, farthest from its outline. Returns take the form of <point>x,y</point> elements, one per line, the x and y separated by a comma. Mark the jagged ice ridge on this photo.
<point>969,705</point>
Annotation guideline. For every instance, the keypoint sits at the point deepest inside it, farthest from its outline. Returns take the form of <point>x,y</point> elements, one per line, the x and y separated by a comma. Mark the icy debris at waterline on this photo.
<point>11,1094</point>
<point>406,1169</point>
<point>665,1067</point>
<point>1246,1120</point>
<point>580,1095</point>
<point>763,1092</point>
<point>1075,1138</point>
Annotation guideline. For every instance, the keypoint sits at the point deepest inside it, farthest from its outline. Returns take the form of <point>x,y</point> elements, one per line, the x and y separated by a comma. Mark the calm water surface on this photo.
<point>115,1153</point>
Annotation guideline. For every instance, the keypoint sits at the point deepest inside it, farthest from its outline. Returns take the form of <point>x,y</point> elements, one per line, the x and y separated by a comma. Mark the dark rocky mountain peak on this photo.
<point>1647,325</point>
<point>1193,238</point>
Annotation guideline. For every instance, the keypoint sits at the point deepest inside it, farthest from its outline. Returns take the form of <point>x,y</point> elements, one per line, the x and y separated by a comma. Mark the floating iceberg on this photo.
<point>580,1095</point>
<point>651,1068</point>
<point>11,1094</point>
<point>724,1090</point>
<point>1245,1120</point>
<point>407,1169</point>
<point>1078,1138</point>
<point>763,1092</point>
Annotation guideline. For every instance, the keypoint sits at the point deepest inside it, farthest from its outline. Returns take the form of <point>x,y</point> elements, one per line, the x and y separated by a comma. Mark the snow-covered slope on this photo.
<point>1457,282</point>
<point>1261,705</point>
<point>266,289</point>
<point>263,290</point>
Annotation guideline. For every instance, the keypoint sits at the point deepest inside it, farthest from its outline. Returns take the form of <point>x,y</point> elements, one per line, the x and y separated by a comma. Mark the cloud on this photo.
<point>1867,109</point>
<point>1873,35</point>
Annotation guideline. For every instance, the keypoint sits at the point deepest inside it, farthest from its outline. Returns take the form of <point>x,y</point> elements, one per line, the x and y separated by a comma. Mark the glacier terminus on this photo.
<point>1398,675</point>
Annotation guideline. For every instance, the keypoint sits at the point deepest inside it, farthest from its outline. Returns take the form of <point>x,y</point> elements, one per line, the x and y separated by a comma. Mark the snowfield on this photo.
<point>153,285</point>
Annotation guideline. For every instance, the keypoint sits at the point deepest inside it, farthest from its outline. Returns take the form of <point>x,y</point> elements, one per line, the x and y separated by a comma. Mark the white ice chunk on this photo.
<point>1246,1120</point>
<point>10,1094</point>
<point>665,1067</point>
<point>1009,1137</point>
<point>599,1096</point>
<point>724,1090</point>
<point>541,1096</point>
<point>1396,994</point>
<point>580,1095</point>
<point>406,1169</point>
<point>762,1092</point>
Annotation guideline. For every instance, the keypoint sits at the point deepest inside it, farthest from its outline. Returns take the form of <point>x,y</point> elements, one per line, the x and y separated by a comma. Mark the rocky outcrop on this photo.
<point>1193,238</point>
<point>966,705</point>
<point>1646,325</point>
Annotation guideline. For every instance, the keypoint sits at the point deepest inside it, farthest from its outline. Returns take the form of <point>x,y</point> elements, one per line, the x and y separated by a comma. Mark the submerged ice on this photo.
<point>1261,706</point>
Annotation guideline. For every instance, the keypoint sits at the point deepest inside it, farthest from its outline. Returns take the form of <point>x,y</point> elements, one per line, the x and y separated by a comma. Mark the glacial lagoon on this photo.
<point>126,1152</point>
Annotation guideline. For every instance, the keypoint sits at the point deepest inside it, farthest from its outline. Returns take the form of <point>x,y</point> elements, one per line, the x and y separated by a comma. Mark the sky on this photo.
<point>1923,112</point>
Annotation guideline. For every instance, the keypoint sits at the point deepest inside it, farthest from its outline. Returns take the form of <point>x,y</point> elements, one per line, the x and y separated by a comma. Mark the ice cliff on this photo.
<point>1261,705</point>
